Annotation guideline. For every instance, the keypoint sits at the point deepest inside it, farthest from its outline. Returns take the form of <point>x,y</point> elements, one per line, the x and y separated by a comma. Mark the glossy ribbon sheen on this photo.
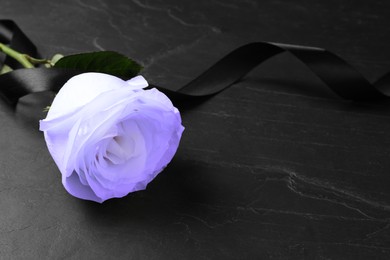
<point>337,74</point>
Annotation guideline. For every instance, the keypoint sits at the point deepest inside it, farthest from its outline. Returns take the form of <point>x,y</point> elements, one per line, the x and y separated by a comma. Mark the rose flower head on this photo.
<point>110,137</point>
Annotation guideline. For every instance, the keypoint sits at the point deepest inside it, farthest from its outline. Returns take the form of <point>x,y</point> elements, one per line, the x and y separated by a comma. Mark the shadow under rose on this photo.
<point>179,188</point>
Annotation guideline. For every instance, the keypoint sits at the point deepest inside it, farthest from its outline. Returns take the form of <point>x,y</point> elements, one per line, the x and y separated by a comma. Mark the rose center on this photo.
<point>120,149</point>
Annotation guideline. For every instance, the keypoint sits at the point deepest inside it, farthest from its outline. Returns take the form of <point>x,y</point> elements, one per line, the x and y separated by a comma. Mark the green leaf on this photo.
<point>108,62</point>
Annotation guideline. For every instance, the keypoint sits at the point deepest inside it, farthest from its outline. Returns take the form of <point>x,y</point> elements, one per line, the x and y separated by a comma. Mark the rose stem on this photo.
<point>24,59</point>
<point>49,63</point>
<point>21,58</point>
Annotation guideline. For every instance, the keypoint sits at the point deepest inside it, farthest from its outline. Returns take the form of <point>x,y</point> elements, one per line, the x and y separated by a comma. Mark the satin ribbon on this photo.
<point>336,73</point>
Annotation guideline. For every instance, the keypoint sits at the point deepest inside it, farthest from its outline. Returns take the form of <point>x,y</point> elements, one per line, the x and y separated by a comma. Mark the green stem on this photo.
<point>21,58</point>
<point>39,61</point>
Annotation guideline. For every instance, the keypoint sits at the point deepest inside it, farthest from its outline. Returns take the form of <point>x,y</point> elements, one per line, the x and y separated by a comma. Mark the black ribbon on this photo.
<point>336,73</point>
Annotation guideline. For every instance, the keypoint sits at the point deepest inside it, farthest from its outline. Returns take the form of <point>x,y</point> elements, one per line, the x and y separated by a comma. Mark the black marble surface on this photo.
<point>274,167</point>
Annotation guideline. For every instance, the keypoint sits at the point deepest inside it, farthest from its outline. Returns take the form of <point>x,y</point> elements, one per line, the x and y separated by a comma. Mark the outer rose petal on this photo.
<point>83,88</point>
<point>87,115</point>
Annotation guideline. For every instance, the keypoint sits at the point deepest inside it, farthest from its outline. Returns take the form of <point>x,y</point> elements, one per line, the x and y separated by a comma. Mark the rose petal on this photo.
<point>83,88</point>
<point>137,82</point>
<point>73,185</point>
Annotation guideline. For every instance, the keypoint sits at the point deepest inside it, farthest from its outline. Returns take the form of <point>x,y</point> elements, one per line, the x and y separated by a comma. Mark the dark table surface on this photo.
<point>276,166</point>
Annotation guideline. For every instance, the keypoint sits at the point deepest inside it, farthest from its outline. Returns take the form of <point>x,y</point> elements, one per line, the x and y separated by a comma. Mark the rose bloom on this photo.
<point>110,137</point>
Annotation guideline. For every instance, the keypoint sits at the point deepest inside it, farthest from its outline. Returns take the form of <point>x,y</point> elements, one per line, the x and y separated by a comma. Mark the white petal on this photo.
<point>137,82</point>
<point>80,90</point>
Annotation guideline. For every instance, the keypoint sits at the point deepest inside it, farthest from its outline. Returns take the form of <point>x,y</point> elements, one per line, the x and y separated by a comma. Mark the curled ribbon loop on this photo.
<point>336,73</point>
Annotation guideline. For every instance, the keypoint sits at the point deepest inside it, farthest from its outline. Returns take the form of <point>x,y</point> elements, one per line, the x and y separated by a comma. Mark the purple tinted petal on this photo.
<point>73,185</point>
